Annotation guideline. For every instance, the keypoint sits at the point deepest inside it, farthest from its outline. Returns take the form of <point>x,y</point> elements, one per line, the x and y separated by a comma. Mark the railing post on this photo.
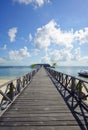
<point>59,76</point>
<point>11,91</point>
<point>80,90</point>
<point>66,80</point>
<point>73,86</point>
<point>18,85</point>
<point>23,81</point>
<point>62,78</point>
<point>56,75</point>
<point>26,79</point>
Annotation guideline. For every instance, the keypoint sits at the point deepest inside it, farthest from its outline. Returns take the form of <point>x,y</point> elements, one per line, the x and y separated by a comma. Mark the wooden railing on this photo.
<point>10,90</point>
<point>76,87</point>
<point>74,91</point>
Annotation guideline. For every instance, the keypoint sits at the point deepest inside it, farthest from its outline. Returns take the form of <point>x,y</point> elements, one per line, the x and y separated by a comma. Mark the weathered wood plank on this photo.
<point>40,128</point>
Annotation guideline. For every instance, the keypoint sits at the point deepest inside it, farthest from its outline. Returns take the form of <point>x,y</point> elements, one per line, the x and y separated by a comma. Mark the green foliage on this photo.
<point>54,64</point>
<point>33,65</point>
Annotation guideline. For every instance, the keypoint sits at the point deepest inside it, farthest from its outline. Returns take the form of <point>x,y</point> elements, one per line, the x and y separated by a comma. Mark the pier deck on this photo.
<point>39,107</point>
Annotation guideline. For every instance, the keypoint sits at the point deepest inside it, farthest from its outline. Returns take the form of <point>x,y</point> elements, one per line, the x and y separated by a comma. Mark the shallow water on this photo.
<point>11,72</point>
<point>72,70</point>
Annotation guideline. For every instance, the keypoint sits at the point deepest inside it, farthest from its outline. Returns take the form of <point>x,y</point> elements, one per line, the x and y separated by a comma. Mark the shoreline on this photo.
<point>3,81</point>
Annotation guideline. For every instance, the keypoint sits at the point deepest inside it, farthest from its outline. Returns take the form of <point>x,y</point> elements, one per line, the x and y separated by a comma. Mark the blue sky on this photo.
<point>44,31</point>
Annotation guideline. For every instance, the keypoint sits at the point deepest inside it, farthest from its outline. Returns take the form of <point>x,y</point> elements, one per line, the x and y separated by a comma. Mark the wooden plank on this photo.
<point>40,128</point>
<point>39,107</point>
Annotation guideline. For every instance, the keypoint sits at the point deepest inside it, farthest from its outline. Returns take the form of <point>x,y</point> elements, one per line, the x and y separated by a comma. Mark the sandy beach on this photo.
<point>3,81</point>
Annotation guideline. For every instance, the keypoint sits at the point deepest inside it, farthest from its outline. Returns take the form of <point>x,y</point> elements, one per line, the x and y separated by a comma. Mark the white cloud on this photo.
<point>55,55</point>
<point>46,59</point>
<point>82,35</point>
<point>35,52</point>
<point>14,55</point>
<point>4,47</point>
<point>65,55</point>
<point>19,54</point>
<point>61,55</point>
<point>76,55</point>
<point>24,52</point>
<point>84,59</point>
<point>35,3</point>
<point>30,37</point>
<point>12,33</point>
<point>2,60</point>
<point>51,33</point>
<point>42,40</point>
<point>63,49</point>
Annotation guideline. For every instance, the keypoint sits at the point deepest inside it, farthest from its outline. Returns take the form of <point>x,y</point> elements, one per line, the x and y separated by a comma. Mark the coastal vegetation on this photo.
<point>54,64</point>
<point>39,65</point>
<point>33,65</point>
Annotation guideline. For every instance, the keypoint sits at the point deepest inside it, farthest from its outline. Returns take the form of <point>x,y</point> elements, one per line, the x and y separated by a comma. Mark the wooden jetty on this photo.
<point>42,106</point>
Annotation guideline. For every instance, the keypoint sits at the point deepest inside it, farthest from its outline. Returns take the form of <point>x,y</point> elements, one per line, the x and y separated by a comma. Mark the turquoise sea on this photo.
<point>72,70</point>
<point>11,72</point>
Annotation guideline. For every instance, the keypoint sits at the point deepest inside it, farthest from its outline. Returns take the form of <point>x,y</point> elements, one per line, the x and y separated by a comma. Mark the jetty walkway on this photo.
<point>40,106</point>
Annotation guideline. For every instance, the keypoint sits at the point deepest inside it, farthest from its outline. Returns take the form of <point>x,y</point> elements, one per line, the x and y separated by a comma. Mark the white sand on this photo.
<point>3,81</point>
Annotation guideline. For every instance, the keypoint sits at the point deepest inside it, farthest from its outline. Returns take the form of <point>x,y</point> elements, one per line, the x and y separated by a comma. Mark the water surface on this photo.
<point>72,70</point>
<point>11,72</point>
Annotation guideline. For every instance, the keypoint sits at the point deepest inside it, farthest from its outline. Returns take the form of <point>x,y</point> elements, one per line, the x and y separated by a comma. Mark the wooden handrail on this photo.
<point>13,88</point>
<point>76,87</point>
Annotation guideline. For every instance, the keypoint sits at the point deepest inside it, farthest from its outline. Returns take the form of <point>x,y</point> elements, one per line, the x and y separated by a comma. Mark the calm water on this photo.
<point>12,72</point>
<point>72,70</point>
<point>16,71</point>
